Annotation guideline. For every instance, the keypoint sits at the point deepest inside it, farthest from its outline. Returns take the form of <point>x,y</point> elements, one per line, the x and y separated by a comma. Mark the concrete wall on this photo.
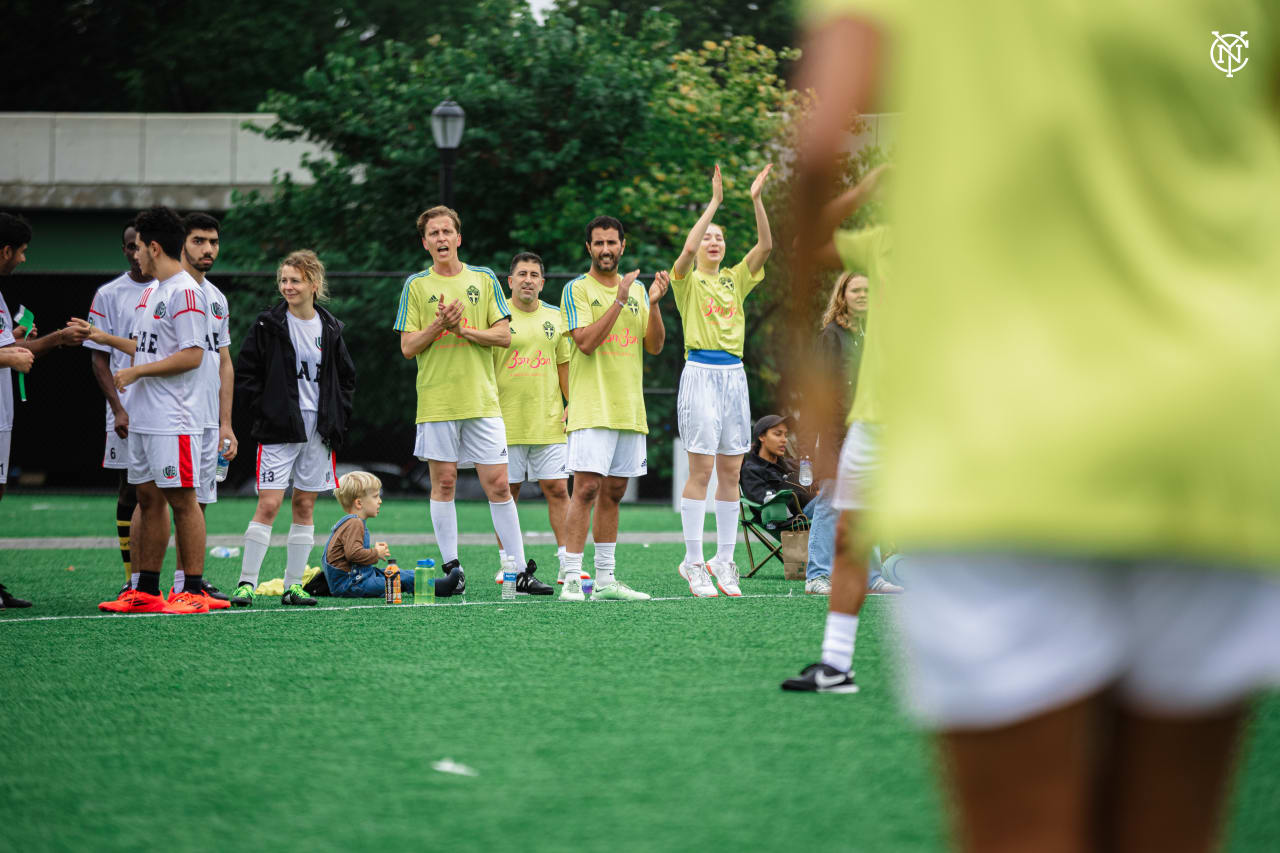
<point>125,161</point>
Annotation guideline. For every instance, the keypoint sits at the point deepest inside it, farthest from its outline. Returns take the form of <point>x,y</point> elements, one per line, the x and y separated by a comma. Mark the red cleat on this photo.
<point>214,603</point>
<point>135,601</point>
<point>186,602</point>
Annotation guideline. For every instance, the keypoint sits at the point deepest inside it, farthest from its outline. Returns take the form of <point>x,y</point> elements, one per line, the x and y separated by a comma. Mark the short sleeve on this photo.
<point>224,328</point>
<point>498,308</point>
<point>574,310</point>
<point>680,286</point>
<point>744,280</point>
<point>409,315</point>
<point>564,347</point>
<point>857,248</point>
<point>100,318</point>
<point>644,300</point>
<point>190,318</point>
<point>6,325</point>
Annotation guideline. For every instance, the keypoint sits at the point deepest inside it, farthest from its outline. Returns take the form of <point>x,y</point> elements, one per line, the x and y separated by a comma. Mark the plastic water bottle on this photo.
<point>223,551</point>
<point>508,581</point>
<point>806,472</point>
<point>220,473</point>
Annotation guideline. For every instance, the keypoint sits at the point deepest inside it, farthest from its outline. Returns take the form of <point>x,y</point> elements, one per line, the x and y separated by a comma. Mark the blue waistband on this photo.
<point>713,356</point>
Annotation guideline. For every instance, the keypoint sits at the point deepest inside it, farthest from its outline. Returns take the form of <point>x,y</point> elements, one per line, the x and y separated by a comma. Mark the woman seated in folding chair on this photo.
<point>768,470</point>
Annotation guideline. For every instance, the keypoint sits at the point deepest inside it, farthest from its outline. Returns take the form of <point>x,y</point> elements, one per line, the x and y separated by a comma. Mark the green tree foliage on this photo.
<point>770,22</point>
<point>564,122</point>
<point>166,56</point>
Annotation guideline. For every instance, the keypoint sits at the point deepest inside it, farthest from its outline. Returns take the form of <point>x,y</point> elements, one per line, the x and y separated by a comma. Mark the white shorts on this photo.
<point>309,465</point>
<point>206,485</point>
<point>995,639</point>
<point>859,464</point>
<point>467,442</point>
<point>6,437</point>
<point>608,452</point>
<point>713,410</point>
<point>116,453</point>
<point>169,461</point>
<point>537,462</point>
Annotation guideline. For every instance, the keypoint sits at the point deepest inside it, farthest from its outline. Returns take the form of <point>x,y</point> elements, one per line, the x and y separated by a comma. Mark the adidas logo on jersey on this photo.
<point>595,303</point>
<point>433,298</point>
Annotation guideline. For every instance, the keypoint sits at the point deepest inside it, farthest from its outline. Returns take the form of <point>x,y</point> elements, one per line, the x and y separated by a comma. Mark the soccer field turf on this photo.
<point>595,726</point>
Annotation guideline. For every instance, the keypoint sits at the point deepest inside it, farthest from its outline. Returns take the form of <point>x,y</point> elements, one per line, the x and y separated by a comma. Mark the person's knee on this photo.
<point>555,490</point>
<point>445,480</point>
<point>303,505</point>
<point>614,489</point>
<point>586,489</point>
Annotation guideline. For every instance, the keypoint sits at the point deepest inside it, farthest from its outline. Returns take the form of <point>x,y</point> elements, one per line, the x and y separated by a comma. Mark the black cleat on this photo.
<point>8,600</point>
<point>448,568</point>
<point>451,584</point>
<point>294,596</point>
<point>527,584</point>
<point>212,591</point>
<point>820,678</point>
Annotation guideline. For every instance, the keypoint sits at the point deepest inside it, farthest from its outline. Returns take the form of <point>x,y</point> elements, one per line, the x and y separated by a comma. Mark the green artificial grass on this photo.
<point>594,726</point>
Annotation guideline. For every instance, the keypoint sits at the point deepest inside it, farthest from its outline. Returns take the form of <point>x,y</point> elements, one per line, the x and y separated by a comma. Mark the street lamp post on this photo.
<point>447,122</point>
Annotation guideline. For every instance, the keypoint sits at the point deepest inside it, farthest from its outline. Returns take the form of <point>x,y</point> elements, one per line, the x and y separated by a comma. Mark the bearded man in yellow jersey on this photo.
<point>1090,506</point>
<point>450,318</point>
<point>533,381</point>
<point>713,407</point>
<point>609,316</point>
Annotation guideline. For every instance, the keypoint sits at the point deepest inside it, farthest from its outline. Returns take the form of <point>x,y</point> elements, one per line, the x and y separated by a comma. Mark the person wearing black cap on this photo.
<point>768,469</point>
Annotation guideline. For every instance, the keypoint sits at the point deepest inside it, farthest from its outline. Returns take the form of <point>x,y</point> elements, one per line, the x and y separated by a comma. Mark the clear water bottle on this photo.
<point>428,563</point>
<point>220,473</point>
<point>806,472</point>
<point>224,552</point>
<point>508,581</point>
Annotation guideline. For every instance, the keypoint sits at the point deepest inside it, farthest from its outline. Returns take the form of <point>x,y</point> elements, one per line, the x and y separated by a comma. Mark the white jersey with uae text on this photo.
<point>170,317</point>
<point>305,335</point>
<point>112,312</point>
<point>6,374</point>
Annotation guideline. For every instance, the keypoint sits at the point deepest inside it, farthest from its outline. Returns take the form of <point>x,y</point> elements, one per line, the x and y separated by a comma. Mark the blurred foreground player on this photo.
<point>1089,480</point>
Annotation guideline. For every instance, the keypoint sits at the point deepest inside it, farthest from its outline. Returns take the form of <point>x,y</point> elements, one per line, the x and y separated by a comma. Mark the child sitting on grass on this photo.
<point>350,565</point>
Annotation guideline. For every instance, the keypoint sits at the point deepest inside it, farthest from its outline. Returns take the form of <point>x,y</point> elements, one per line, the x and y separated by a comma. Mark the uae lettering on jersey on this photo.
<point>305,372</point>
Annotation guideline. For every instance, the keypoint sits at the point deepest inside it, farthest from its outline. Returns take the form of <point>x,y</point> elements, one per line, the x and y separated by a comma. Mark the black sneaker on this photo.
<point>451,584</point>
<point>820,678</point>
<point>448,568</point>
<point>527,584</point>
<point>212,591</point>
<point>8,600</point>
<point>295,596</point>
<point>243,596</point>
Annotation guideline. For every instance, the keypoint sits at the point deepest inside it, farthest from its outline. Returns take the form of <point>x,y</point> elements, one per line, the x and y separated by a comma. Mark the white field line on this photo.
<point>41,543</point>
<point>249,611</point>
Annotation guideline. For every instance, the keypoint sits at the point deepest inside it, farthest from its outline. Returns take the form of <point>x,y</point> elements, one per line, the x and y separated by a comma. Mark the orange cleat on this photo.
<point>214,603</point>
<point>186,602</point>
<point>135,601</point>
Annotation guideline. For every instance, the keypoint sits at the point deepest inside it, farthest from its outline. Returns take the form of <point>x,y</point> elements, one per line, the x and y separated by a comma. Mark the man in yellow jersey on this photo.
<point>533,380</point>
<point>610,317</point>
<point>451,316</point>
<point>867,252</point>
<point>1091,506</point>
<point>712,409</point>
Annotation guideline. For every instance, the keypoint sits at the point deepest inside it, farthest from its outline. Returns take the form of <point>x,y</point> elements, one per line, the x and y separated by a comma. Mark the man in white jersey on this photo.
<point>533,381</point>
<point>15,236</point>
<point>168,336</point>
<point>112,311</point>
<point>217,372</point>
<point>608,316</point>
<point>449,317</point>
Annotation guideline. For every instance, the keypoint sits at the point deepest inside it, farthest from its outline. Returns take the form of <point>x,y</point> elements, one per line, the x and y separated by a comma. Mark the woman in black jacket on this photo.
<point>296,378</point>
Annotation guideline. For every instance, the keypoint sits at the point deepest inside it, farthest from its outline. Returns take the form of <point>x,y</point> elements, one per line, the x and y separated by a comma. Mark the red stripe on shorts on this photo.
<point>185,468</point>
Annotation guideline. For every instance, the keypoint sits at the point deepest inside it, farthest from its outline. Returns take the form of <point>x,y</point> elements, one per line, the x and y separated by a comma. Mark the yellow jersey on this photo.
<point>606,388</point>
<point>529,376</point>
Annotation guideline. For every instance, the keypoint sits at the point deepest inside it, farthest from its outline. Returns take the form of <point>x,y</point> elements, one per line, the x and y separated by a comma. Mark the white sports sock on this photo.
<point>444,522</point>
<point>604,560</point>
<point>726,530</point>
<point>692,514</point>
<point>838,641</point>
<point>572,565</point>
<point>506,523</point>
<point>560,555</point>
<point>256,541</point>
<point>298,550</point>
<point>179,580</point>
<point>133,580</point>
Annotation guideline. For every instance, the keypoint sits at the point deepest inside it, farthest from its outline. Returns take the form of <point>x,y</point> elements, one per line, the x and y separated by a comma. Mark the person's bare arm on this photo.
<point>563,371</point>
<point>19,358</point>
<point>764,236</point>
<point>689,254</point>
<point>838,210</point>
<point>226,391</point>
<point>100,364</point>
<point>655,334</point>
<point>497,335</point>
<point>180,362</point>
<point>588,338</point>
<point>447,317</point>
<point>128,346</point>
<point>68,337</point>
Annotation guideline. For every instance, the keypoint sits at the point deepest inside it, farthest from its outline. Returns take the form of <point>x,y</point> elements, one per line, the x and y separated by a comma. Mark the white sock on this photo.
<point>692,514</point>
<point>301,539</point>
<point>256,541</point>
<point>726,530</point>
<point>604,563</point>
<point>838,641</point>
<point>179,580</point>
<point>506,523</point>
<point>572,566</point>
<point>444,522</point>
<point>560,555</point>
<point>133,580</point>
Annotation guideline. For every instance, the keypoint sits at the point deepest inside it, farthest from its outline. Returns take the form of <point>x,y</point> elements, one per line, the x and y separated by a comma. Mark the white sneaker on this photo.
<point>880,586</point>
<point>726,575</point>
<point>572,589</point>
<point>616,591</point>
<point>820,585</point>
<point>699,581</point>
